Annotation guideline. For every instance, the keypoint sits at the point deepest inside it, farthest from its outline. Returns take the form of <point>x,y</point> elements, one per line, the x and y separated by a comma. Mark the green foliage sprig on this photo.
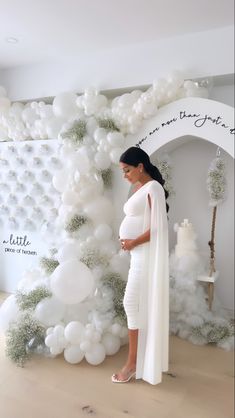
<point>118,286</point>
<point>107,176</point>
<point>31,299</point>
<point>19,334</point>
<point>92,258</point>
<point>108,124</point>
<point>213,332</point>
<point>75,223</point>
<point>216,181</point>
<point>76,133</point>
<point>48,264</point>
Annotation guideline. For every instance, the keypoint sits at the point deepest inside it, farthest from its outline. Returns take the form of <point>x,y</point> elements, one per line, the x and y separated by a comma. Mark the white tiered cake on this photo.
<point>186,239</point>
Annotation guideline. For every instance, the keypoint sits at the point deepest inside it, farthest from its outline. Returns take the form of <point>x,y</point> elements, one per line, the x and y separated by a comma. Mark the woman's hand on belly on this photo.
<point>127,244</point>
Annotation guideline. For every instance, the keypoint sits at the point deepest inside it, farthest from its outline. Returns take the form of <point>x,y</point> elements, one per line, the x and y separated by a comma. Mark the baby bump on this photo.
<point>131,227</point>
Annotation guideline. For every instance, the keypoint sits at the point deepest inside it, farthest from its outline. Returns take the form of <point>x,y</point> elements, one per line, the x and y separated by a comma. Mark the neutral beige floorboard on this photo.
<point>201,386</point>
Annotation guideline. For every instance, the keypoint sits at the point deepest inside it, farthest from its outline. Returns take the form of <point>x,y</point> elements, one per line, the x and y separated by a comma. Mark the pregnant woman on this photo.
<point>144,232</point>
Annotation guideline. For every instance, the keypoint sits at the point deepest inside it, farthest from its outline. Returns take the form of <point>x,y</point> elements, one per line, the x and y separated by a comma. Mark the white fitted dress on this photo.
<point>146,299</point>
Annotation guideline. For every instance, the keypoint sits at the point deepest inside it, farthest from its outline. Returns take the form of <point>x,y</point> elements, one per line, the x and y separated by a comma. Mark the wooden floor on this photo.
<point>200,386</point>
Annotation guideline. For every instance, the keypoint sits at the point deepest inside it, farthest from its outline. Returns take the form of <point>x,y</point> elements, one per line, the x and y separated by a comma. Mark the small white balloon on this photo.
<point>102,160</point>
<point>55,351</point>
<point>115,154</point>
<point>99,134</point>
<point>60,180</point>
<point>74,332</point>
<point>29,115</point>
<point>111,343</point>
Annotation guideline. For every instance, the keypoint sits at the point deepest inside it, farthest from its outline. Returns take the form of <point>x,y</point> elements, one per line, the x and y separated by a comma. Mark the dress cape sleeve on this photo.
<point>153,336</point>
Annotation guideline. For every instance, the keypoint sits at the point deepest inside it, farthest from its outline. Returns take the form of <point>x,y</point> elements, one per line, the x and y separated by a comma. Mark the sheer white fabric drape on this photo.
<point>153,337</point>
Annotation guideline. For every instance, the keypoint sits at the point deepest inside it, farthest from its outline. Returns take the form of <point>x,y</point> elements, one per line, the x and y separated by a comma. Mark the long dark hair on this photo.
<point>134,156</point>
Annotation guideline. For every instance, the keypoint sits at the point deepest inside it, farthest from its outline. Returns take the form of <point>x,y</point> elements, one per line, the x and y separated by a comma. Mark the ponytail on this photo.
<point>153,171</point>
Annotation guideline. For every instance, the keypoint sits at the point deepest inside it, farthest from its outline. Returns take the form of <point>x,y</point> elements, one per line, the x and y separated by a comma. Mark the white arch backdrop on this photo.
<point>207,119</point>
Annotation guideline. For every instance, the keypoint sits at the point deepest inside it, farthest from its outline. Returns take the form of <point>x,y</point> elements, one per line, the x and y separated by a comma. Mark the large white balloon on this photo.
<point>96,354</point>
<point>49,311</point>
<point>72,282</point>
<point>73,354</point>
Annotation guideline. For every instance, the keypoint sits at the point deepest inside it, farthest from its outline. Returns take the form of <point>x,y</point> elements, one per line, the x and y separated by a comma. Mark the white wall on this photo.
<point>199,54</point>
<point>223,94</point>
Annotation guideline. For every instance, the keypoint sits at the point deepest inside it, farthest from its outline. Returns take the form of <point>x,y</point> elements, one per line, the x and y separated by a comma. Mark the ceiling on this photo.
<point>55,29</point>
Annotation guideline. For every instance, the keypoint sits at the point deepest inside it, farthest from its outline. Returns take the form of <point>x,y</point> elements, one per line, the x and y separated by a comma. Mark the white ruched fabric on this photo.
<point>153,306</point>
<point>132,292</point>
